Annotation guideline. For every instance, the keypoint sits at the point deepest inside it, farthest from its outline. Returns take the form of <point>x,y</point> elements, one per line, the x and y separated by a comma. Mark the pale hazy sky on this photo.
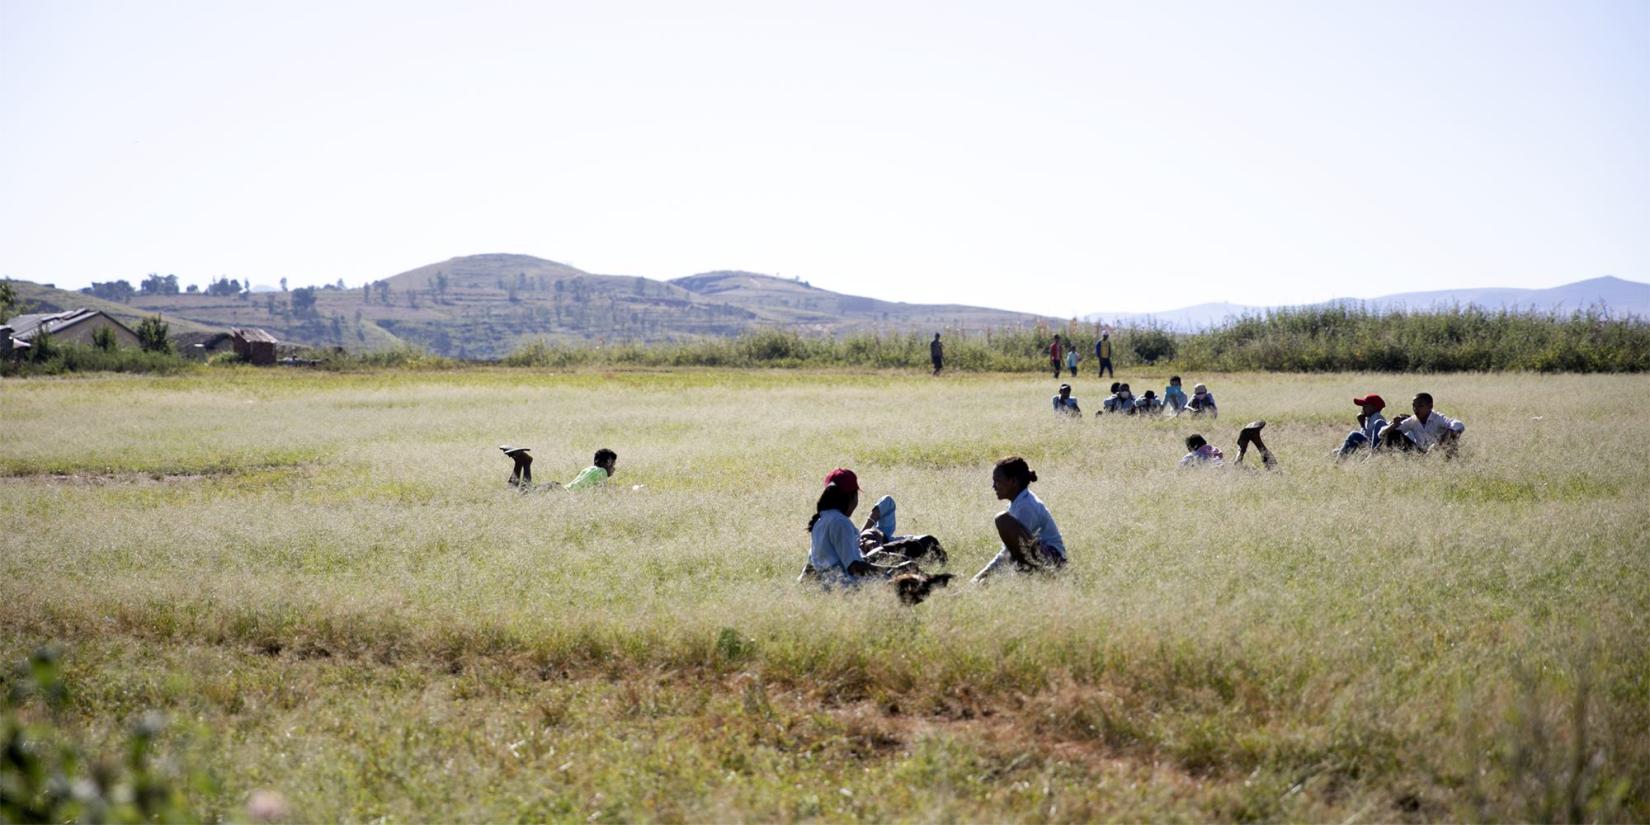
<point>1054,157</point>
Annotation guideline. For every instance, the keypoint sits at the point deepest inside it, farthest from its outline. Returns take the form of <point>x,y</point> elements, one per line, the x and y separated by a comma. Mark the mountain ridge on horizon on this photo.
<point>1616,295</point>
<point>486,305</point>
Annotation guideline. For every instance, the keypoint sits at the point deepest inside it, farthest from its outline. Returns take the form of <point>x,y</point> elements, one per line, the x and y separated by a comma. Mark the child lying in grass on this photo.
<point>1200,453</point>
<point>603,466</point>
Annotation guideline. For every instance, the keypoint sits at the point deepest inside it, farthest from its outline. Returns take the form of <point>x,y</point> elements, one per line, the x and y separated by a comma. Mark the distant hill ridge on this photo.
<point>1619,297</point>
<point>485,306</point>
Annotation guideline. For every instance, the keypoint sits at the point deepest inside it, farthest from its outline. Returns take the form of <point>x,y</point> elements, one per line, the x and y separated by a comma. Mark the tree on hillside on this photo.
<point>224,286</point>
<point>283,285</point>
<point>159,285</point>
<point>10,304</point>
<point>303,301</point>
<point>366,293</point>
<point>154,334</point>
<point>383,292</point>
<point>111,290</point>
<point>192,289</point>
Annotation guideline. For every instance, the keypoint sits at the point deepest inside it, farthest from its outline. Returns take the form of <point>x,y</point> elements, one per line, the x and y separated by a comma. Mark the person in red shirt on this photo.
<point>1054,355</point>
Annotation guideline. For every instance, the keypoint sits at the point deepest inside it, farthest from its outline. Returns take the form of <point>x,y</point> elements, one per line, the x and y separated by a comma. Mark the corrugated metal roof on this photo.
<point>24,327</point>
<point>253,334</point>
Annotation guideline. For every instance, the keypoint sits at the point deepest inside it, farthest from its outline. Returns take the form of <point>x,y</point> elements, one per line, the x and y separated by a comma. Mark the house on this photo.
<point>203,345</point>
<point>254,345</point>
<point>74,326</point>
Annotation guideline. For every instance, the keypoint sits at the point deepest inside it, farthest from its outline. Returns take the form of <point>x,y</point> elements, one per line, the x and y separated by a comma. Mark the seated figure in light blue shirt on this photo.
<point>1174,398</point>
<point>1031,541</point>
<point>1370,424</point>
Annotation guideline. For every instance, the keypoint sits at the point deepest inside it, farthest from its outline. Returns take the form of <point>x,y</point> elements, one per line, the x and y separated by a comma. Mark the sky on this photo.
<point>1063,158</point>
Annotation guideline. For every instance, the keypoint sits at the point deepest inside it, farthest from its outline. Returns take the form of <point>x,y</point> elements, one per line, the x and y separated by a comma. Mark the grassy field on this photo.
<point>323,583</point>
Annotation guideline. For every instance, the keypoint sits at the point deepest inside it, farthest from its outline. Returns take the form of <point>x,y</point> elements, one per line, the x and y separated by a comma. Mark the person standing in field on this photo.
<point>1031,541</point>
<point>1102,353</point>
<point>1071,359</point>
<point>1370,424</point>
<point>936,353</point>
<point>1054,351</point>
<point>1423,431</point>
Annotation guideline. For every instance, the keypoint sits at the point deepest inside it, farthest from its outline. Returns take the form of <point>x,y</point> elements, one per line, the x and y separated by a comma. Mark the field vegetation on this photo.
<point>1309,340</point>
<point>317,584</point>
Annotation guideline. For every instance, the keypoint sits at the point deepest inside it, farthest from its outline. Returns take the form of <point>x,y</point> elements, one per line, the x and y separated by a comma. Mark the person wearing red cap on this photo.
<point>835,557</point>
<point>1370,423</point>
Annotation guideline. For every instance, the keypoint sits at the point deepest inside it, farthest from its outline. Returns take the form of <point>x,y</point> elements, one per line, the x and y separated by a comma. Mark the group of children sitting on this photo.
<point>1123,401</point>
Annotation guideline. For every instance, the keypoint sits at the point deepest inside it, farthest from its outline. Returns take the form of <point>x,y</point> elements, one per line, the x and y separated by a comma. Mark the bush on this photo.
<point>154,335</point>
<point>56,359</point>
<point>104,339</point>
<point>50,772</point>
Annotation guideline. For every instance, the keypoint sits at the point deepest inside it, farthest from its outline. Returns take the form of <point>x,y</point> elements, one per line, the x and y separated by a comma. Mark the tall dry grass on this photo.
<point>1417,638</point>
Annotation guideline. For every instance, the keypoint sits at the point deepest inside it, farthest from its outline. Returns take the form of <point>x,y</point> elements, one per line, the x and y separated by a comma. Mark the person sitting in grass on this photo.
<point>835,556</point>
<point>1370,424</point>
<point>1064,403</point>
<point>1149,404</point>
<point>1200,453</point>
<point>1423,431</point>
<point>1121,400</point>
<point>604,465</point>
<point>1173,396</point>
<point>1031,541</point>
<point>1202,401</point>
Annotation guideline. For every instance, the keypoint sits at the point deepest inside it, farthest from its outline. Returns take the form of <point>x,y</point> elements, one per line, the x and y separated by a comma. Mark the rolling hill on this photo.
<point>484,306</point>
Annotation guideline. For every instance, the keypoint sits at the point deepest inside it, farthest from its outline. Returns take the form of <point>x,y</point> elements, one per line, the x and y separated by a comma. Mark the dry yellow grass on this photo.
<point>329,575</point>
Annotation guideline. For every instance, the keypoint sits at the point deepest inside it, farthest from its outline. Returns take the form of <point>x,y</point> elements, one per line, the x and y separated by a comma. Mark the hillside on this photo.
<point>42,298</point>
<point>484,306</point>
<point>799,303</point>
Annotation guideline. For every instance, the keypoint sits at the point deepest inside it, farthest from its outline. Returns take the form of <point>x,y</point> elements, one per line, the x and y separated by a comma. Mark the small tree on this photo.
<point>1152,345</point>
<point>104,339</point>
<point>303,301</point>
<point>154,334</point>
<point>41,346</point>
<point>10,304</point>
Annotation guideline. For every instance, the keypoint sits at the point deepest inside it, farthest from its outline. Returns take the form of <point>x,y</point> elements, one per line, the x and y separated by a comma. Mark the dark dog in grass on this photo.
<point>913,588</point>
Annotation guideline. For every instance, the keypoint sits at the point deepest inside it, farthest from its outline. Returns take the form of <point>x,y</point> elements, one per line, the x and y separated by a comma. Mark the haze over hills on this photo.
<point>485,306</point>
<point>1619,297</point>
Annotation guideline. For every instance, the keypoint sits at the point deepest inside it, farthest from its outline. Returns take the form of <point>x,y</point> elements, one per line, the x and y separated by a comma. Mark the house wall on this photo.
<point>82,332</point>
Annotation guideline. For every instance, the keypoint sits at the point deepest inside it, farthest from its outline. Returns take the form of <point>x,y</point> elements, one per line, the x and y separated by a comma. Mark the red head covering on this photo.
<point>843,478</point>
<point>1371,398</point>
